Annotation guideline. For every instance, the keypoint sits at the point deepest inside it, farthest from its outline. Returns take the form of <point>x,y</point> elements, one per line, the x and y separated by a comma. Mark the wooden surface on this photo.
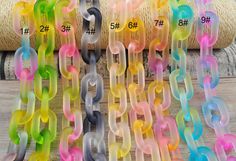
<point>10,89</point>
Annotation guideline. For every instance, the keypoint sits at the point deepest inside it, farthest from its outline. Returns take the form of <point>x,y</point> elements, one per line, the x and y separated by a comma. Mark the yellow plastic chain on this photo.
<point>45,43</point>
<point>140,114</point>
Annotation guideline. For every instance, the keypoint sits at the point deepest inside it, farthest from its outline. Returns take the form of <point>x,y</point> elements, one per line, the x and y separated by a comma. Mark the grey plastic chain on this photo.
<point>93,126</point>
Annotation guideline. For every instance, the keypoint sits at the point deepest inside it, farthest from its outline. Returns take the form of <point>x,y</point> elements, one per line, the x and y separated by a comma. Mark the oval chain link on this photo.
<point>215,110</point>
<point>44,17</point>
<point>93,126</point>
<point>140,115</point>
<point>117,96</point>
<point>182,21</point>
<point>20,123</point>
<point>65,11</point>
<point>165,129</point>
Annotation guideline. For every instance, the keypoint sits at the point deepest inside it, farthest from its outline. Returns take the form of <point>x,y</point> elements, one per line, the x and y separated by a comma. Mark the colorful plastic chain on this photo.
<point>20,123</point>
<point>182,20</point>
<point>93,125</point>
<point>140,113</point>
<point>65,11</point>
<point>126,29</point>
<point>45,43</point>
<point>116,64</point>
<point>165,129</point>
<point>208,77</point>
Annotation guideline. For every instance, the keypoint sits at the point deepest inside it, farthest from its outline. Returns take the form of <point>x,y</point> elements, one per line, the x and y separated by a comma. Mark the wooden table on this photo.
<point>10,89</point>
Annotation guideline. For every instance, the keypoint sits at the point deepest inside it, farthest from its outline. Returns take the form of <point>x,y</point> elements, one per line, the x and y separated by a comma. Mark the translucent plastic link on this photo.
<point>165,129</point>
<point>45,43</point>
<point>94,147</point>
<point>20,123</point>
<point>23,23</point>
<point>43,149</point>
<point>66,25</point>
<point>156,136</point>
<point>17,153</point>
<point>117,96</point>
<point>214,109</point>
<point>181,23</point>
<point>140,115</point>
<point>90,35</point>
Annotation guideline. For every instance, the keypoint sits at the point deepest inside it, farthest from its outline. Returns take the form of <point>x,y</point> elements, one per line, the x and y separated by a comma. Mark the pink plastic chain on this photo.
<point>214,109</point>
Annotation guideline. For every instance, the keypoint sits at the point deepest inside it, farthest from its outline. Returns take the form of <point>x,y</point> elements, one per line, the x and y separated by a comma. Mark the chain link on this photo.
<point>159,91</point>
<point>214,109</point>
<point>65,11</point>
<point>126,30</point>
<point>45,43</point>
<point>140,115</point>
<point>17,152</point>
<point>182,21</point>
<point>93,125</point>
<point>117,96</point>
<point>20,123</point>
<point>92,22</point>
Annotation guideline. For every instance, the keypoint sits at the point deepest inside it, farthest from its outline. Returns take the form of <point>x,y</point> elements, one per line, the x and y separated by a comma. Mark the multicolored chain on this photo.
<point>165,129</point>
<point>124,25</point>
<point>20,123</point>
<point>140,114</point>
<point>116,64</point>
<point>45,43</point>
<point>65,11</point>
<point>182,21</point>
<point>215,110</point>
<point>93,126</point>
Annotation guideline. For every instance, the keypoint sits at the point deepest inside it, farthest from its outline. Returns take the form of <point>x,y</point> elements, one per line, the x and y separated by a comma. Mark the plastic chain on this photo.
<point>140,114</point>
<point>214,109</point>
<point>117,96</point>
<point>93,125</point>
<point>182,21</point>
<point>45,42</point>
<point>165,129</point>
<point>65,11</point>
<point>20,123</point>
